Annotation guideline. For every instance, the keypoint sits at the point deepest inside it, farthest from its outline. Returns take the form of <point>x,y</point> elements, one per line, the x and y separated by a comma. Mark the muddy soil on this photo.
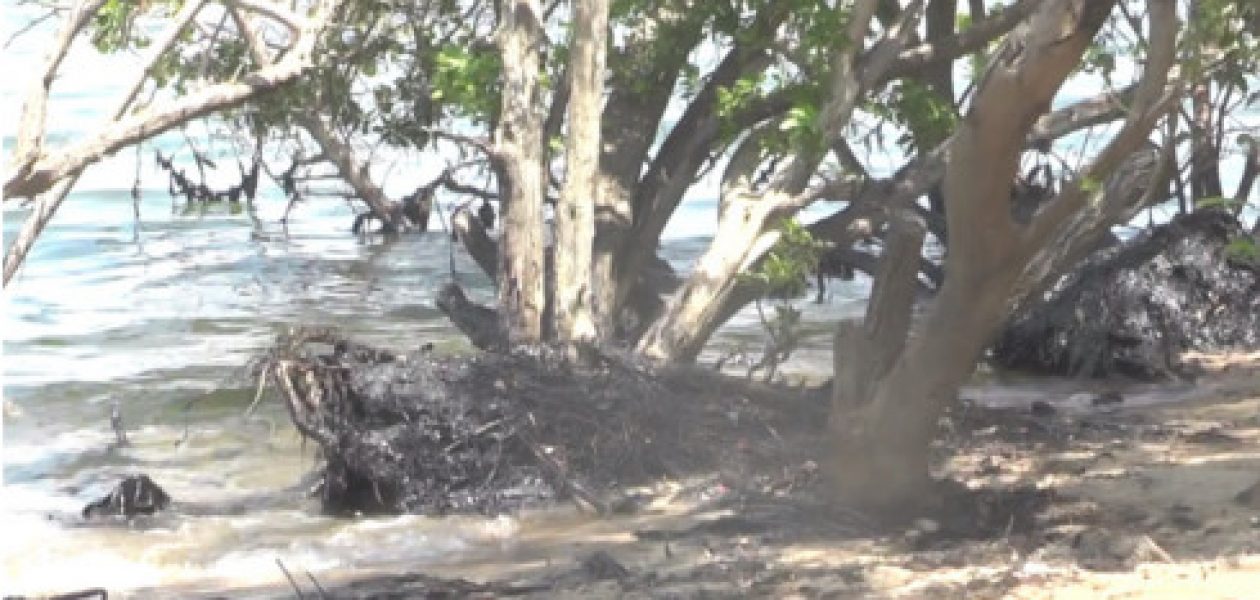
<point>1061,499</point>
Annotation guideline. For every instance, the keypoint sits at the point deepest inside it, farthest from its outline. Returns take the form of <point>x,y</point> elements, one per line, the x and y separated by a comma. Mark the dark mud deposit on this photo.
<point>497,432</point>
<point>1133,309</point>
<point>422,433</point>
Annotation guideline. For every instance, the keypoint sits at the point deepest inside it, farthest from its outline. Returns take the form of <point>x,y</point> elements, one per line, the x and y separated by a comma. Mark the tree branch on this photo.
<point>49,169</point>
<point>30,135</point>
<point>973,39</point>
<point>352,171</point>
<point>1103,108</point>
<point>1153,99</point>
<point>1022,79</point>
<point>47,205</point>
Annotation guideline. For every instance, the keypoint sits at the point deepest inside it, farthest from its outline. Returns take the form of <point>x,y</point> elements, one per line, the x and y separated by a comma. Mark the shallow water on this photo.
<point>161,318</point>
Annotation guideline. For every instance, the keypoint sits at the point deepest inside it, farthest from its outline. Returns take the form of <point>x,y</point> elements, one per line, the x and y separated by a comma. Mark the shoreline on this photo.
<point>1144,502</point>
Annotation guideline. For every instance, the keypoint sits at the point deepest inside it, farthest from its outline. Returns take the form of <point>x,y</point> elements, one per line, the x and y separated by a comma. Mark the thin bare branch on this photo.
<point>36,22</point>
<point>48,204</point>
<point>62,170</point>
<point>1103,108</point>
<point>49,169</point>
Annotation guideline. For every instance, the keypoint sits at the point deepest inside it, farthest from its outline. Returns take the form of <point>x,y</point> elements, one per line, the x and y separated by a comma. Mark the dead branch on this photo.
<point>471,230</point>
<point>480,324</point>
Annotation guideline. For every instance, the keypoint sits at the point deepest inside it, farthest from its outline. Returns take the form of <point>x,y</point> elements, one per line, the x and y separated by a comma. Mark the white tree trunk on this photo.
<point>575,216</point>
<point>691,315</point>
<point>519,149</point>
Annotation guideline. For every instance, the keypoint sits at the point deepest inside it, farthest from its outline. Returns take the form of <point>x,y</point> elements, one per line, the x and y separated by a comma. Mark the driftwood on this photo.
<point>1133,309</point>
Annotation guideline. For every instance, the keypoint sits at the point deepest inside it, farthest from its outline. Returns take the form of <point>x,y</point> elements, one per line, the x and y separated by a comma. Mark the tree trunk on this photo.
<point>884,440</point>
<point>885,420</point>
<point>888,316</point>
<point>355,173</point>
<point>1251,168</point>
<point>519,163</point>
<point>471,231</point>
<point>1205,153</point>
<point>691,315</point>
<point>575,224</point>
<point>643,81</point>
<point>747,216</point>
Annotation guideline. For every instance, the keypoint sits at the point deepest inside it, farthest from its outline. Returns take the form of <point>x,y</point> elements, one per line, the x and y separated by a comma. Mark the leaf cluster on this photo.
<point>784,272</point>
